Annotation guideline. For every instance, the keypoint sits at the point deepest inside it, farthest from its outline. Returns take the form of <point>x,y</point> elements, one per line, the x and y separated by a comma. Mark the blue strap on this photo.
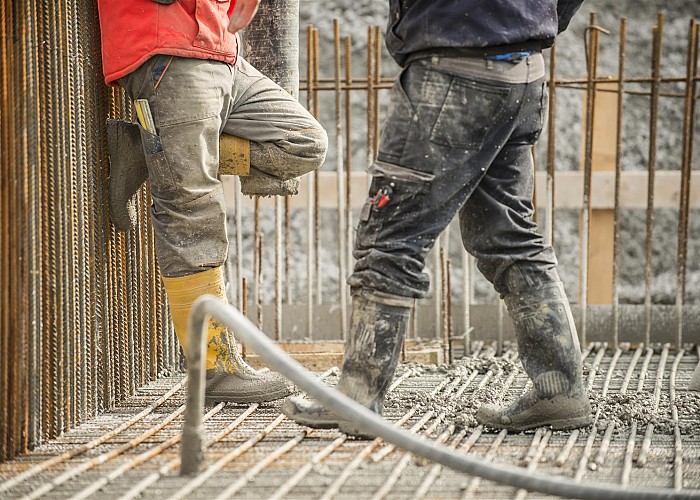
<point>513,57</point>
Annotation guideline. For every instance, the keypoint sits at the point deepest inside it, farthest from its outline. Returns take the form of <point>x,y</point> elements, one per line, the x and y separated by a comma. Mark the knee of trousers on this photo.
<point>190,237</point>
<point>300,152</point>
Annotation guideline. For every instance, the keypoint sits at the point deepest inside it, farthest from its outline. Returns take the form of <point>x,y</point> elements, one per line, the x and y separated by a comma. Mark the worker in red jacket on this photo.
<point>181,58</point>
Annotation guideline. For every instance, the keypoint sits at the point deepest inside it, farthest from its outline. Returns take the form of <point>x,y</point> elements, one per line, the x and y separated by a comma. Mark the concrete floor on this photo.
<point>647,433</point>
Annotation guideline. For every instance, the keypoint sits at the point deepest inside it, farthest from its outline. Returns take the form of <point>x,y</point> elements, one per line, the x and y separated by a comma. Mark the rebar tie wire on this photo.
<point>208,306</point>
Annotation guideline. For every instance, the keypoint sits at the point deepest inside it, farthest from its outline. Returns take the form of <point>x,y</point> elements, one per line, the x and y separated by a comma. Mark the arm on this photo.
<point>243,12</point>
<point>566,10</point>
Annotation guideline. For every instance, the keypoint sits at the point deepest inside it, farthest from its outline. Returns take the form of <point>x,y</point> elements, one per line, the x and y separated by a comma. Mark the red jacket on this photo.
<point>134,30</point>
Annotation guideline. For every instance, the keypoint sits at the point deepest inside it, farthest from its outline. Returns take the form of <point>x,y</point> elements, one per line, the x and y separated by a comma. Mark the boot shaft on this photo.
<point>182,291</point>
<point>547,338</point>
<point>377,330</point>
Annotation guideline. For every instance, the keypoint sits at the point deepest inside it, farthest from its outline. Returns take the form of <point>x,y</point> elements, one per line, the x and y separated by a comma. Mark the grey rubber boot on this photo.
<point>377,330</point>
<point>127,171</point>
<point>245,385</point>
<point>551,355</point>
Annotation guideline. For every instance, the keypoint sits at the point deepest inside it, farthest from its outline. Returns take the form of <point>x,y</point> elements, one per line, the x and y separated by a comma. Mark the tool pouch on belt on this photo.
<point>127,171</point>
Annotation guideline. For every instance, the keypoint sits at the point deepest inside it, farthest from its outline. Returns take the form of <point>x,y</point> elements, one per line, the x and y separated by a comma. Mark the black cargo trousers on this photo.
<point>454,144</point>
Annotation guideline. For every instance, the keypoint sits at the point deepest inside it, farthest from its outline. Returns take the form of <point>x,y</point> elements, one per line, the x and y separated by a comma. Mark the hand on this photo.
<point>243,13</point>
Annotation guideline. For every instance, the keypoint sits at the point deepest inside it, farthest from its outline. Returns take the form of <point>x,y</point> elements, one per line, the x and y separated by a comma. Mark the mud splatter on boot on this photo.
<point>232,380</point>
<point>377,330</point>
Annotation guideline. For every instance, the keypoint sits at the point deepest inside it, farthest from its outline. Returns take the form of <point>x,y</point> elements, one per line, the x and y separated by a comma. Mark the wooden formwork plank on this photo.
<point>318,356</point>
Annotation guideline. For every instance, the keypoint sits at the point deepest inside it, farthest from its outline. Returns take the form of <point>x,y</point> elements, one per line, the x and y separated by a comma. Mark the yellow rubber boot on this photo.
<point>229,377</point>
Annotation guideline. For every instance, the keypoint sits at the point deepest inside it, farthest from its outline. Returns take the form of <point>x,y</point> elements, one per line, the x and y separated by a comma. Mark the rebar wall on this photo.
<point>82,317</point>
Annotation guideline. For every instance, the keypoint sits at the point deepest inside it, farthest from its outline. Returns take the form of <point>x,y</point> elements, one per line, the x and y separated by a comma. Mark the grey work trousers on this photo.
<point>454,144</point>
<point>192,102</point>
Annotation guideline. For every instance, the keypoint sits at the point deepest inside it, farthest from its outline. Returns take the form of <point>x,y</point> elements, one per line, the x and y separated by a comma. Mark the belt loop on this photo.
<point>529,70</point>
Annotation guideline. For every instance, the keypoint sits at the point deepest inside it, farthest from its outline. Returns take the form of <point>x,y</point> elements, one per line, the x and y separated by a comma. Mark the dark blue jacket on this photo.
<point>418,28</point>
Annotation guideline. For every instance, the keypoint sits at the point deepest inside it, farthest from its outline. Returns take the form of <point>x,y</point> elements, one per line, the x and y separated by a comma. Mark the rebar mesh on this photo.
<point>83,320</point>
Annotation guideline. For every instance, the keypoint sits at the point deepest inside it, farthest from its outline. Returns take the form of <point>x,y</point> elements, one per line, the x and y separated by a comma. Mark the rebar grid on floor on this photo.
<point>645,434</point>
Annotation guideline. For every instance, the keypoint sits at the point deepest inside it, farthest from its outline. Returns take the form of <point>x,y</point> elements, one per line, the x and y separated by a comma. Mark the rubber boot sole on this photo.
<point>228,388</point>
<point>263,185</point>
<point>312,414</point>
<point>309,413</point>
<point>247,398</point>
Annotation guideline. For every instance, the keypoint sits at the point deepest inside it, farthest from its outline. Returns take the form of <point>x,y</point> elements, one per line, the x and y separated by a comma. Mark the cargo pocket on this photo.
<point>159,171</point>
<point>396,192</point>
<point>468,113</point>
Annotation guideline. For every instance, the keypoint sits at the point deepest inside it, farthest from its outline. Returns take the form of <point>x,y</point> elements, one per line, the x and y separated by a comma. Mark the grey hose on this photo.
<point>367,420</point>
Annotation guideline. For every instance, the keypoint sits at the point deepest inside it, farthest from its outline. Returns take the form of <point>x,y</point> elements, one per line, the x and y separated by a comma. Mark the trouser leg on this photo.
<point>189,107</point>
<point>497,228</point>
<point>285,140</point>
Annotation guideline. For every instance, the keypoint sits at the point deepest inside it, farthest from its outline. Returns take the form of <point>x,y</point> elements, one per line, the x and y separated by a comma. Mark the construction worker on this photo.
<point>468,106</point>
<point>182,58</point>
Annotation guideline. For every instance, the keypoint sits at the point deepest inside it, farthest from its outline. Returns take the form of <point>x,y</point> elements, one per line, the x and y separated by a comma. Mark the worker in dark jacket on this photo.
<point>468,106</point>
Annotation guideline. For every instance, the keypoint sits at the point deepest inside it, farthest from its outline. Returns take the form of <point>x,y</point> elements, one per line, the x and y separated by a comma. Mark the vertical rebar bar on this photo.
<point>686,171</point>
<point>348,152</point>
<point>444,334</point>
<point>342,208</point>
<point>279,201</point>
<point>499,325</point>
<point>592,60</point>
<point>259,276</point>
<point>238,238</point>
<point>370,94</point>
<point>448,307</point>
<point>257,261</point>
<point>317,185</point>
<point>243,301</point>
<point>287,249</point>
<point>6,450</point>
<point>437,286</point>
<point>377,80</point>
<point>618,172</point>
<point>466,289</point>
<point>311,183</point>
<point>653,121</point>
